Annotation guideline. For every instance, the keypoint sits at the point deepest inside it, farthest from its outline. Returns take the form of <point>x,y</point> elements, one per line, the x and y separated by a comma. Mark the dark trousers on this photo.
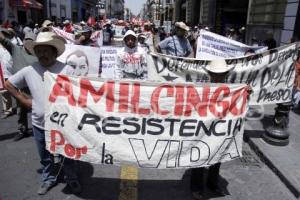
<point>197,176</point>
<point>22,114</point>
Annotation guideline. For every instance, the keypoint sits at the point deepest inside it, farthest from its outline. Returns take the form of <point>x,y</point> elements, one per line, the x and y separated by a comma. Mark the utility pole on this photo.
<point>50,12</point>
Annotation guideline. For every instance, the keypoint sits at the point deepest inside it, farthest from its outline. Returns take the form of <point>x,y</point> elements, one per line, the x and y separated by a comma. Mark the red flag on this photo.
<point>91,21</point>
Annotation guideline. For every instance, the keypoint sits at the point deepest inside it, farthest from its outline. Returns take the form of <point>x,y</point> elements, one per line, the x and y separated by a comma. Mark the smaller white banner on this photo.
<point>211,46</point>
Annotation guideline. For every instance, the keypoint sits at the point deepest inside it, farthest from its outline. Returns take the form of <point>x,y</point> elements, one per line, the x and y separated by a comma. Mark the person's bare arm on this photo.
<point>25,100</point>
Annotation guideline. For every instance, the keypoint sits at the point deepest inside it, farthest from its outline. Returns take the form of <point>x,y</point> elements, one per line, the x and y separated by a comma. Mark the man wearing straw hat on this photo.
<point>217,71</point>
<point>177,45</point>
<point>46,48</point>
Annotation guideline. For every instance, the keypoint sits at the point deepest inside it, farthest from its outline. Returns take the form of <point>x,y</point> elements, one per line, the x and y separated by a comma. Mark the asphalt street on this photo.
<point>247,178</point>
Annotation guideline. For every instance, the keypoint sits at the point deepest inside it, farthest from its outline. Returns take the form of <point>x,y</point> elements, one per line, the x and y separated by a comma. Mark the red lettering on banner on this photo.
<point>155,98</point>
<point>123,99</point>
<point>185,99</point>
<point>214,101</point>
<point>179,105</point>
<point>53,142</point>
<point>62,87</point>
<point>135,101</point>
<point>235,97</point>
<point>107,89</point>
<point>69,149</point>
<point>193,99</point>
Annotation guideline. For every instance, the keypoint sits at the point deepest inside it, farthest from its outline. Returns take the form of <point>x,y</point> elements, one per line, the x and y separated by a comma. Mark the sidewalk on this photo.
<point>284,161</point>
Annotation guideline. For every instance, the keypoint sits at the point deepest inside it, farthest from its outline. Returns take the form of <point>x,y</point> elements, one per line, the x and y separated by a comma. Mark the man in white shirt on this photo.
<point>46,48</point>
<point>6,64</point>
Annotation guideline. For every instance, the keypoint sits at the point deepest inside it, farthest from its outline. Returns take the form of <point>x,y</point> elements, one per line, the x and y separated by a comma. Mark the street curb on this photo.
<point>273,167</point>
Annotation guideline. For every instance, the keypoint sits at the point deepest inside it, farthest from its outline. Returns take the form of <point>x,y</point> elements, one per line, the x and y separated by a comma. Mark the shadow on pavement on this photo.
<point>296,111</point>
<point>95,188</point>
<point>7,136</point>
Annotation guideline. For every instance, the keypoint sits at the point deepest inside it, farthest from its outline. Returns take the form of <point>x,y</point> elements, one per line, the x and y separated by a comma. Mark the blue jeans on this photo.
<point>49,175</point>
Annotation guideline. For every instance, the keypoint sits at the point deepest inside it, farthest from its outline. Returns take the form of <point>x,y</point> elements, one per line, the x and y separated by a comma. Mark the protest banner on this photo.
<point>97,37</point>
<point>1,79</point>
<point>118,31</point>
<point>144,124</point>
<point>211,45</point>
<point>82,60</point>
<point>270,74</point>
<point>108,61</point>
<point>69,37</point>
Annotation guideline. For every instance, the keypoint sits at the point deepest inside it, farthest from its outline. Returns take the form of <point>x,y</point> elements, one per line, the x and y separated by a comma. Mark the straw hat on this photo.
<point>47,23</point>
<point>182,25</point>
<point>47,38</point>
<point>218,66</point>
<point>6,31</point>
<point>66,22</point>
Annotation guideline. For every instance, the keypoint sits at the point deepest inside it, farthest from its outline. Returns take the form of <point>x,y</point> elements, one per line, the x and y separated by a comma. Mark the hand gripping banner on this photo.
<point>144,124</point>
<point>270,74</point>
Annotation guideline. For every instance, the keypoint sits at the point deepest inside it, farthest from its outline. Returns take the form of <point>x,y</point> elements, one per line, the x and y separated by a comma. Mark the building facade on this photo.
<point>25,11</point>
<point>114,9</point>
<point>22,11</point>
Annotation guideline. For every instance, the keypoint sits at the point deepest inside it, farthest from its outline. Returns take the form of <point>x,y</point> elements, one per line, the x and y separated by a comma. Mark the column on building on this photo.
<point>289,22</point>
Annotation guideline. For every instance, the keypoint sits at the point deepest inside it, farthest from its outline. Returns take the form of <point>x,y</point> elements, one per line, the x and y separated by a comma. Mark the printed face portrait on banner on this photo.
<point>79,61</point>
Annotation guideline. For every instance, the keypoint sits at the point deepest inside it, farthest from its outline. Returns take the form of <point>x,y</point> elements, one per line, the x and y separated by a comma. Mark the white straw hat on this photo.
<point>47,38</point>
<point>218,66</point>
<point>182,25</point>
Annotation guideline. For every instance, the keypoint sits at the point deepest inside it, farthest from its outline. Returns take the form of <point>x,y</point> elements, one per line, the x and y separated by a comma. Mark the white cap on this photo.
<point>129,32</point>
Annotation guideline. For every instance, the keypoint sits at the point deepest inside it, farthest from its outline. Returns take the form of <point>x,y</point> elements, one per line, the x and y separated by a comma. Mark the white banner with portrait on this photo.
<point>84,59</point>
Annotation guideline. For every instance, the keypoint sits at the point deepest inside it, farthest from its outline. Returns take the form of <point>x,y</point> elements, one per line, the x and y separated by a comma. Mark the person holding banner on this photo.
<point>177,45</point>
<point>217,70</point>
<point>46,48</point>
<point>131,61</point>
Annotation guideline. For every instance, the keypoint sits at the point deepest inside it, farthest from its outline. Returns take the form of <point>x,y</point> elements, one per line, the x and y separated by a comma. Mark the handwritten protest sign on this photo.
<point>118,31</point>
<point>270,74</point>
<point>82,60</point>
<point>108,61</point>
<point>211,45</point>
<point>145,124</point>
<point>1,79</point>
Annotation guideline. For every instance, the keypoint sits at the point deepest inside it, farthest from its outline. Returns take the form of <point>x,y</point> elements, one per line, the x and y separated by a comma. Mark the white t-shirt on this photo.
<point>131,64</point>
<point>32,77</point>
<point>6,62</point>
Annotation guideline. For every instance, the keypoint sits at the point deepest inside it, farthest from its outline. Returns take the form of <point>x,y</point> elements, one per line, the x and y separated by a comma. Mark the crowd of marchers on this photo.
<point>27,53</point>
